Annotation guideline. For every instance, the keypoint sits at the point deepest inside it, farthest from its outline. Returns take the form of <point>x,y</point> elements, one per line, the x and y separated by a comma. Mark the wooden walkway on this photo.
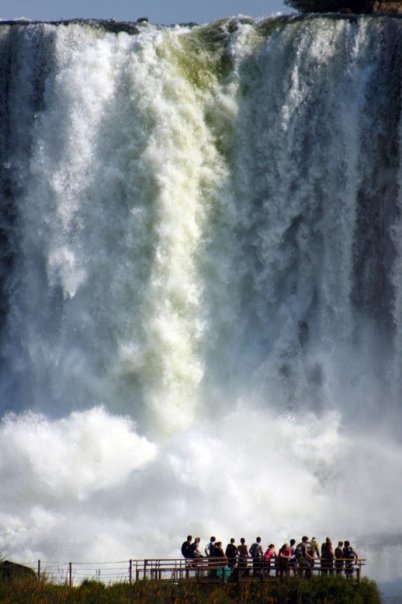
<point>201,570</point>
<point>212,570</point>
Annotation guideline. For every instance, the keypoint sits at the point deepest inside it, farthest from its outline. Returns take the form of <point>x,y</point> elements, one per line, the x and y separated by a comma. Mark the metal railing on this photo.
<point>197,569</point>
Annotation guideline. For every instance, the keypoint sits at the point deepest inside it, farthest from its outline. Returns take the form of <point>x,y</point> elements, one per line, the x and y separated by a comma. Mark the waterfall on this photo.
<point>201,285</point>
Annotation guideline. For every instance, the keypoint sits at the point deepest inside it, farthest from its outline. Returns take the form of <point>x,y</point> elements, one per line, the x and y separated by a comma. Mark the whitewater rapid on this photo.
<point>201,286</point>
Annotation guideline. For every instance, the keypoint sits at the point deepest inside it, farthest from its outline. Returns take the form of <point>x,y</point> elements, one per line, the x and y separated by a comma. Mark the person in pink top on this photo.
<point>284,555</point>
<point>269,555</point>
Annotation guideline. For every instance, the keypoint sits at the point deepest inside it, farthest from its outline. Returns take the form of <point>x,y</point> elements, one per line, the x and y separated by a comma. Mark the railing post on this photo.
<point>156,569</point>
<point>358,569</point>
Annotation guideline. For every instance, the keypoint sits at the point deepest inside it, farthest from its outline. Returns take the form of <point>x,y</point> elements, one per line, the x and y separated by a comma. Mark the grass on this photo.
<point>320,590</point>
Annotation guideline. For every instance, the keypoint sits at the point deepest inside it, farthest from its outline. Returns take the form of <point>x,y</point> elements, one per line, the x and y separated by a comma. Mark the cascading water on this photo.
<point>201,286</point>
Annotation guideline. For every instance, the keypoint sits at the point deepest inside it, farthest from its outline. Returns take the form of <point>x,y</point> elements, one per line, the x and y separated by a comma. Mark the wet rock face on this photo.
<point>348,6</point>
<point>394,8</point>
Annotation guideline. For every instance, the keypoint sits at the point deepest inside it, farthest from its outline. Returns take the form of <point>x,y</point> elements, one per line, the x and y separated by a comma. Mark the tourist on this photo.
<point>185,548</point>
<point>327,557</point>
<point>219,553</point>
<point>210,548</point>
<point>304,559</point>
<point>313,548</point>
<point>314,551</point>
<point>257,555</point>
<point>269,555</point>
<point>222,569</point>
<point>339,558</point>
<point>195,549</point>
<point>231,553</point>
<point>350,557</point>
<point>218,550</point>
<point>243,557</point>
<point>284,556</point>
<point>293,561</point>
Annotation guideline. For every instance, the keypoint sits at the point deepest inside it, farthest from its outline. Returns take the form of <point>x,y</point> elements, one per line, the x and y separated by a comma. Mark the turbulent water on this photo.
<point>201,286</point>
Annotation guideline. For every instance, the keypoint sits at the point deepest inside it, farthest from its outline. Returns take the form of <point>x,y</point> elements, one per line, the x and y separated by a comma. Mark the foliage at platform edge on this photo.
<point>320,590</point>
<point>335,6</point>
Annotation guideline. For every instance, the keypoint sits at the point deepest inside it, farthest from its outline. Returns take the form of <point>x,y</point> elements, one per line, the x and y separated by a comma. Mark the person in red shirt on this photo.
<point>284,555</point>
<point>269,555</point>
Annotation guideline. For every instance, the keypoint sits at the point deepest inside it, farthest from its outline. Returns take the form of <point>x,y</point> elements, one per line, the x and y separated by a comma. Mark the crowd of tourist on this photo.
<point>291,558</point>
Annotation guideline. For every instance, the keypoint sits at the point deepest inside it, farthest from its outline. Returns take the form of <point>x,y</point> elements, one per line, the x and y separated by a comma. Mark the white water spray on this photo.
<point>200,234</point>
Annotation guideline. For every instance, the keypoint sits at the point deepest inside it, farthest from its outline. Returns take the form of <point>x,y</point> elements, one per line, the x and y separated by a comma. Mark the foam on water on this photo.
<point>200,272</point>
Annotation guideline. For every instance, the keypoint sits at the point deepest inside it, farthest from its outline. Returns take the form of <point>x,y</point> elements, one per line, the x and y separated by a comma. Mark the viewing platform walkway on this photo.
<point>201,570</point>
<point>214,570</point>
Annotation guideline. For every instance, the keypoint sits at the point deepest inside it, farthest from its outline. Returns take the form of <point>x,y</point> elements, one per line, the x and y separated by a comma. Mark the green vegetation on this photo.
<point>320,590</point>
<point>335,6</point>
